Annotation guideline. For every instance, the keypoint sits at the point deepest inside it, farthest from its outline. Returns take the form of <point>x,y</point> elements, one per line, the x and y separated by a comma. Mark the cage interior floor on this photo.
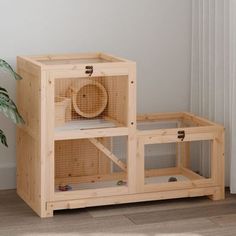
<point>114,183</point>
<point>164,179</point>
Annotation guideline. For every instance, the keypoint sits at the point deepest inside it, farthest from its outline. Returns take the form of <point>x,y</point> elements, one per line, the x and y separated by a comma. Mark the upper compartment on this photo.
<point>91,103</point>
<point>88,95</point>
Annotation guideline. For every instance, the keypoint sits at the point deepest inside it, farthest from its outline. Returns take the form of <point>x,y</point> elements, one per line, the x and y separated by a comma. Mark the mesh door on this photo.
<point>91,163</point>
<point>88,103</point>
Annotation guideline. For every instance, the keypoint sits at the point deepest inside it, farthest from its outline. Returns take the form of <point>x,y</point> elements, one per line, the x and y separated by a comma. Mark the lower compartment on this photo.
<point>160,160</point>
<point>92,163</point>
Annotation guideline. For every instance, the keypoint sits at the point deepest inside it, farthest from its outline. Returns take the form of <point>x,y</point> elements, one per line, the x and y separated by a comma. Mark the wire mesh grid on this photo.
<point>162,161</point>
<point>201,157</point>
<point>97,102</point>
<point>91,163</point>
<point>171,162</point>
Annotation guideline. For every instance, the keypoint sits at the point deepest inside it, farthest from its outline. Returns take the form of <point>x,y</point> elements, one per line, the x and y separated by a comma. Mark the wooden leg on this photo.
<point>48,212</point>
<point>218,195</point>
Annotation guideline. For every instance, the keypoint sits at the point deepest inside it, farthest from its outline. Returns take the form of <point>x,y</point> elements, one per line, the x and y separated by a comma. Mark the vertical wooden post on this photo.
<point>182,151</point>
<point>221,162</point>
<point>140,175</point>
<point>132,139</point>
<point>48,142</point>
<point>185,154</point>
<point>218,165</point>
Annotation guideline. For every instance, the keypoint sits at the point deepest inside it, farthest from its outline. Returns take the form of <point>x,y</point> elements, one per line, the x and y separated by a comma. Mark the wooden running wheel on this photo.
<point>89,98</point>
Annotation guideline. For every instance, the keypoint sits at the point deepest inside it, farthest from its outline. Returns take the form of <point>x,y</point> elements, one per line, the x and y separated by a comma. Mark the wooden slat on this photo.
<point>131,122</point>
<point>188,130</point>
<point>161,116</point>
<point>200,120</point>
<point>91,193</point>
<point>190,174</point>
<point>108,153</point>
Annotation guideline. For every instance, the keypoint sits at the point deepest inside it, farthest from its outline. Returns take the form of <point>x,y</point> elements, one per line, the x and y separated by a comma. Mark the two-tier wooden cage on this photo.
<point>82,144</point>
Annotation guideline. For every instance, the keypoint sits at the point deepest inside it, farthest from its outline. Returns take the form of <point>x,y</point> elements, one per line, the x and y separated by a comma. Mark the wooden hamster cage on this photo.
<point>82,144</point>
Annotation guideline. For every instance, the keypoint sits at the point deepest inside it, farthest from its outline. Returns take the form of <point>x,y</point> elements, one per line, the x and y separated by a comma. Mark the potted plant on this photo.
<point>7,106</point>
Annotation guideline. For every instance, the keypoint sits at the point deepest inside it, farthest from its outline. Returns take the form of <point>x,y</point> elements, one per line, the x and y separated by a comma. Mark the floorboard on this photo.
<point>180,217</point>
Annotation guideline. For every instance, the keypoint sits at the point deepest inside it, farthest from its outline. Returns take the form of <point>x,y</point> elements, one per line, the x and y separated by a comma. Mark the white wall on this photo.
<point>232,49</point>
<point>155,33</point>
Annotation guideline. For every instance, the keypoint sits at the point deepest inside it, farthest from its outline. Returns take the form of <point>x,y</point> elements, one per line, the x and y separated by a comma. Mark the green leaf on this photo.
<point>9,109</point>
<point>3,89</point>
<point>3,138</point>
<point>6,67</point>
<point>7,106</point>
<point>3,92</point>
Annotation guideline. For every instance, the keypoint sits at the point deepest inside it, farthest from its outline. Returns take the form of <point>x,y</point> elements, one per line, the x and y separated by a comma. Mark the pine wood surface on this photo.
<point>48,154</point>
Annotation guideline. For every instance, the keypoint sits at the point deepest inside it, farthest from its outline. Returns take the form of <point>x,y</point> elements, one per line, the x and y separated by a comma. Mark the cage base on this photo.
<point>212,192</point>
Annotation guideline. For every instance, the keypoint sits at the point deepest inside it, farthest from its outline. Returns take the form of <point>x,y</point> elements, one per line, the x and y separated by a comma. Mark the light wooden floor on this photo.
<point>193,217</point>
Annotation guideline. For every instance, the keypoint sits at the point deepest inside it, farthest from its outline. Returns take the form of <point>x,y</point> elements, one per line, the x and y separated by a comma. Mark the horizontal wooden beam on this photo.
<point>91,178</point>
<point>161,116</point>
<point>96,201</point>
<point>200,121</point>
<point>190,174</point>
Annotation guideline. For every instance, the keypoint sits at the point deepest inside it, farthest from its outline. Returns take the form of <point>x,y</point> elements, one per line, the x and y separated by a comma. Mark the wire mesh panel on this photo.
<point>176,162</point>
<point>154,125</point>
<point>90,163</point>
<point>88,103</point>
<point>159,157</point>
<point>201,158</point>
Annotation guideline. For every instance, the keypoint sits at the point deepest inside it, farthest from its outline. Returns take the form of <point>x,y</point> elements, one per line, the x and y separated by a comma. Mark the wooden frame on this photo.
<point>203,130</point>
<point>36,141</point>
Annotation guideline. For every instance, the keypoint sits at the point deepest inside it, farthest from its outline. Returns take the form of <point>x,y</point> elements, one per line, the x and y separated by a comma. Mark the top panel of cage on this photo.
<point>75,59</point>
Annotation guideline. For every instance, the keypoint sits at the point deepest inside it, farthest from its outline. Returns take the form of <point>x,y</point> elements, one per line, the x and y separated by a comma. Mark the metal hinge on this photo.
<point>181,135</point>
<point>89,70</point>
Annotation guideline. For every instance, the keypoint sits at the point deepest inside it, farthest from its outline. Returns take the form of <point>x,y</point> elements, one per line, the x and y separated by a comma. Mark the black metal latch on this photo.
<point>89,70</point>
<point>181,135</point>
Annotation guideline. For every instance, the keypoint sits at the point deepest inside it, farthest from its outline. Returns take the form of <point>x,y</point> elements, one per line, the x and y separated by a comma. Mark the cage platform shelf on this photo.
<point>83,144</point>
<point>86,124</point>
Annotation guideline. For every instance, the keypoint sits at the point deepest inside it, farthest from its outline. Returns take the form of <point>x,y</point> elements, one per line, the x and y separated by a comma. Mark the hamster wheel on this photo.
<point>89,98</point>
